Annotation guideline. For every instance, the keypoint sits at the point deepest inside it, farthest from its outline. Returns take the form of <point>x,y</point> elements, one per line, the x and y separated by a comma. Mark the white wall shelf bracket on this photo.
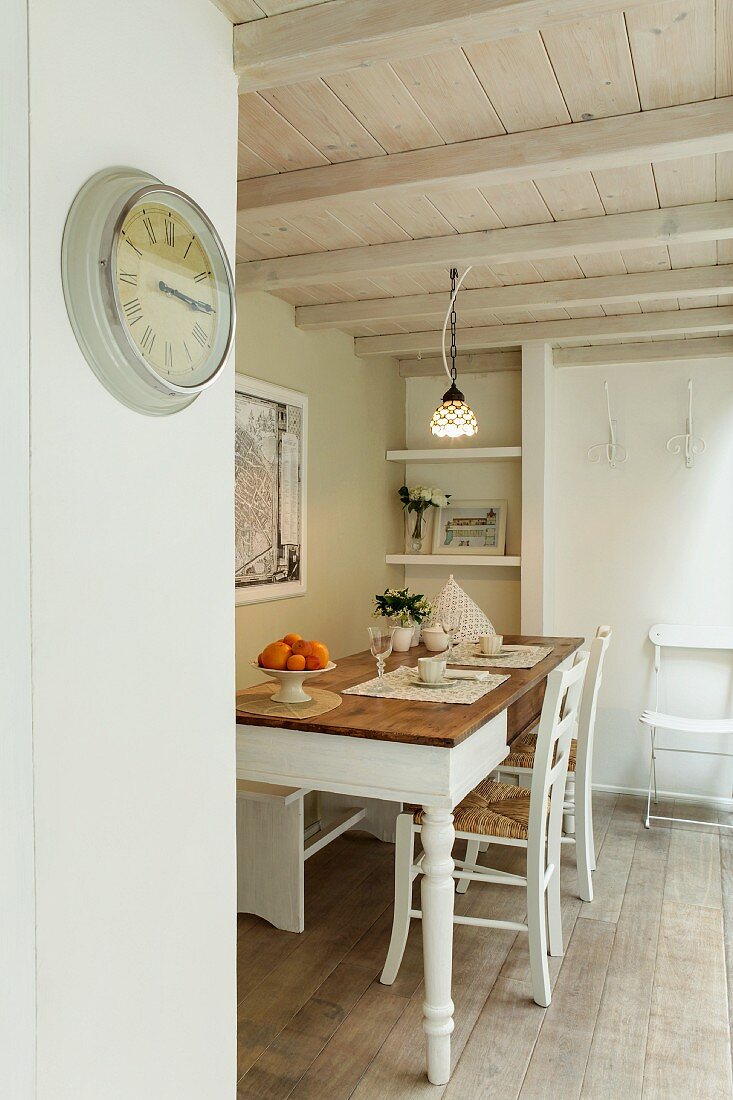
<point>614,451</point>
<point>687,441</point>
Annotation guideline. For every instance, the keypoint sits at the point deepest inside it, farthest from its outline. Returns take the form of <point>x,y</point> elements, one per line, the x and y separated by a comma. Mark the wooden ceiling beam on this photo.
<point>639,287</point>
<point>638,229</point>
<point>661,351</point>
<point>344,34</point>
<point>481,363</point>
<point>553,332</point>
<point>599,355</point>
<point>668,133</point>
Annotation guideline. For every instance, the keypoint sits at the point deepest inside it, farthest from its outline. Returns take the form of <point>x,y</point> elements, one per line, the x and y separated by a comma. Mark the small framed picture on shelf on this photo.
<point>471,527</point>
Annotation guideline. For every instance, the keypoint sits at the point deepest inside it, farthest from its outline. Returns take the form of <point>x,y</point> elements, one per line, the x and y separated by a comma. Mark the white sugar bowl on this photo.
<point>434,639</point>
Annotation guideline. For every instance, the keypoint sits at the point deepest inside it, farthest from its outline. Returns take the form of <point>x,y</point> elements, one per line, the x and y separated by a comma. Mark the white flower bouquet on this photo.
<point>417,499</point>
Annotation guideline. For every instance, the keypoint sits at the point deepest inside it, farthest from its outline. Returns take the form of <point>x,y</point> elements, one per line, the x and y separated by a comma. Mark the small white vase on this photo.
<point>402,639</point>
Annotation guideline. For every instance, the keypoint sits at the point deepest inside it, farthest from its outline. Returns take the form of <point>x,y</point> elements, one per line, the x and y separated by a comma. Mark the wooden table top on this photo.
<point>383,719</point>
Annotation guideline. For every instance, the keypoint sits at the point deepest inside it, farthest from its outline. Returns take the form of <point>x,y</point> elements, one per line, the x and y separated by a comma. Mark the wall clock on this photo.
<point>148,289</point>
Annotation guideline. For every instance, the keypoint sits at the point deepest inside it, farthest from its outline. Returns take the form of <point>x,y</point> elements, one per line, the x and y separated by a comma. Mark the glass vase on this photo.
<point>418,533</point>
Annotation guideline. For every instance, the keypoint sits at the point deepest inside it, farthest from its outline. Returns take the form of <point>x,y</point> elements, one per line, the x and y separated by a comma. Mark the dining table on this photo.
<point>425,753</point>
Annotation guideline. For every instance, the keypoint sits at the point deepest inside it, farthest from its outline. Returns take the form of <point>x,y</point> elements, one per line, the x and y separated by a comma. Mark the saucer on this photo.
<point>417,682</point>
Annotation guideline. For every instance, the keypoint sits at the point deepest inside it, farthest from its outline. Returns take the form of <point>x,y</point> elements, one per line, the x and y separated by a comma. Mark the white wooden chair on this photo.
<point>662,636</point>
<point>506,814</point>
<point>578,792</point>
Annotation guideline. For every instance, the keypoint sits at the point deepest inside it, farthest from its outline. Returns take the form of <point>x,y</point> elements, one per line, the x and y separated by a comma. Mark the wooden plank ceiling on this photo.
<point>553,87</point>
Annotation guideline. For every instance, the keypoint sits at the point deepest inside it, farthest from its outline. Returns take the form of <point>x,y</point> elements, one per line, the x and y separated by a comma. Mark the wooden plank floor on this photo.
<point>640,1000</point>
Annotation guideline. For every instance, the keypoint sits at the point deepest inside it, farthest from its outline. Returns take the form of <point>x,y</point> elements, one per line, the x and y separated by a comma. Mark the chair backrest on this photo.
<point>560,712</point>
<point>589,703</point>
<point>691,637</point>
<point>669,635</point>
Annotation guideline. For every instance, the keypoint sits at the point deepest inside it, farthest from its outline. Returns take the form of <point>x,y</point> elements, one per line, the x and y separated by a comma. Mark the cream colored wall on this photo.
<point>497,401</point>
<point>355,413</point>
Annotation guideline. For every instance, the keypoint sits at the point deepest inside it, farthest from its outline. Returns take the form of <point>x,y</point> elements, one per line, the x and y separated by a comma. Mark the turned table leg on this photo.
<point>438,895</point>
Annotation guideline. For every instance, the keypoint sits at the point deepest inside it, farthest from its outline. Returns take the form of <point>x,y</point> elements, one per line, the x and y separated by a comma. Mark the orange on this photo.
<point>259,659</point>
<point>276,655</point>
<point>320,651</point>
<point>296,663</point>
<point>312,663</point>
<point>291,639</point>
<point>302,648</point>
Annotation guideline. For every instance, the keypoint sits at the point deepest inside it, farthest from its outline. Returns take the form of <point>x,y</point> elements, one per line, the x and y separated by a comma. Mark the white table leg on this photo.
<point>438,893</point>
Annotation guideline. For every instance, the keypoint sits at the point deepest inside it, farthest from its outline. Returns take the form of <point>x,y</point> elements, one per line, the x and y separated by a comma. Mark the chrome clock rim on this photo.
<point>88,276</point>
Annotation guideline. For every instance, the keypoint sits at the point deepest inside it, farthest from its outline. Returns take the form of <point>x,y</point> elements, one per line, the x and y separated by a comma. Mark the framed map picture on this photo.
<point>270,436</point>
<point>471,527</point>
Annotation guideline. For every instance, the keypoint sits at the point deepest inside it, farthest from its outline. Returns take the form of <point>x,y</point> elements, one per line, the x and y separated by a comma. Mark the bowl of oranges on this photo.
<point>290,661</point>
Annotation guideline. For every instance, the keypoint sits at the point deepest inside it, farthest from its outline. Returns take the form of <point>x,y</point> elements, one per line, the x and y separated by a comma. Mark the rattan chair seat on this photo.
<point>523,750</point>
<point>492,809</point>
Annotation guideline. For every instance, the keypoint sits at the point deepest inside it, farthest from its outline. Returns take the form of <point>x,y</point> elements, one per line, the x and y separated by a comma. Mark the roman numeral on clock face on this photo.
<point>168,355</point>
<point>151,232</point>
<point>133,311</point>
<point>170,232</point>
<point>128,277</point>
<point>148,340</point>
<point>198,333</point>
<point>201,276</point>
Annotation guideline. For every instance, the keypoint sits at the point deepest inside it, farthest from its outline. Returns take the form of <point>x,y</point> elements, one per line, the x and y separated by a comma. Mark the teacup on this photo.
<point>430,670</point>
<point>490,644</point>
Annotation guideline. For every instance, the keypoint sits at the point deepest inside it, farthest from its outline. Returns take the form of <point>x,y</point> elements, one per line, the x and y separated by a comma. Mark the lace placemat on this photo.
<point>514,656</point>
<point>400,684</point>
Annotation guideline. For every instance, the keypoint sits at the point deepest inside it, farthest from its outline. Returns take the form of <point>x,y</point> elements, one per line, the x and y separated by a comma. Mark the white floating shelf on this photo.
<point>455,454</point>
<point>452,559</point>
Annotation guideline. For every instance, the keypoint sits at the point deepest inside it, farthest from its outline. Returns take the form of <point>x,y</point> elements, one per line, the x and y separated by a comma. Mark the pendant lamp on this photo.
<point>453,417</point>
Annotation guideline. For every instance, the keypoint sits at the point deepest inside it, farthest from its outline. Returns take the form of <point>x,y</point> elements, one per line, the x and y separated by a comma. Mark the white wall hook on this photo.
<point>615,452</point>
<point>689,442</point>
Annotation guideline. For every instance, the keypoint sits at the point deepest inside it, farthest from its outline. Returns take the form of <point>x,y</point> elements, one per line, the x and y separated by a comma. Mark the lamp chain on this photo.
<point>453,319</point>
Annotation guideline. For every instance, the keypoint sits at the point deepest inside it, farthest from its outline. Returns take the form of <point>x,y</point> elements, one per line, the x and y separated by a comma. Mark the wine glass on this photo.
<point>380,642</point>
<point>450,620</point>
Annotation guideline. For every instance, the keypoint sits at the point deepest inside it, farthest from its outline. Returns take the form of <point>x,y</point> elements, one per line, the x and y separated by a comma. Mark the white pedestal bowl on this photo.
<point>291,683</point>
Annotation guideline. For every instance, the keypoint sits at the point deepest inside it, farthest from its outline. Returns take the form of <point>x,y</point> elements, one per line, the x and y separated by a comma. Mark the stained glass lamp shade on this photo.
<point>453,417</point>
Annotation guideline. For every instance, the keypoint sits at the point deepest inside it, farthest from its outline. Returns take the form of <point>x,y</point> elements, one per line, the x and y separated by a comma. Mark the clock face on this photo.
<point>167,291</point>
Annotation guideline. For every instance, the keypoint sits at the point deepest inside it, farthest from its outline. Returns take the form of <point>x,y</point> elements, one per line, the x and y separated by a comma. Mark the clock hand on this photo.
<point>201,307</point>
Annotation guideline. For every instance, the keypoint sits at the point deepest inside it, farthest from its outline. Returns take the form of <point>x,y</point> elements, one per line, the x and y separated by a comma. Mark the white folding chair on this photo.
<point>664,635</point>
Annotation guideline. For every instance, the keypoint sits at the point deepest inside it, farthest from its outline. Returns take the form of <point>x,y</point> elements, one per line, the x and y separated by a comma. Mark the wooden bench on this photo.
<point>272,850</point>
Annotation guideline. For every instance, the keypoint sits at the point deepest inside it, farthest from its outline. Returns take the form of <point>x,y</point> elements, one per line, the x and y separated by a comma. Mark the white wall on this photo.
<point>647,542</point>
<point>17,910</point>
<point>538,567</point>
<point>497,401</point>
<point>131,595</point>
